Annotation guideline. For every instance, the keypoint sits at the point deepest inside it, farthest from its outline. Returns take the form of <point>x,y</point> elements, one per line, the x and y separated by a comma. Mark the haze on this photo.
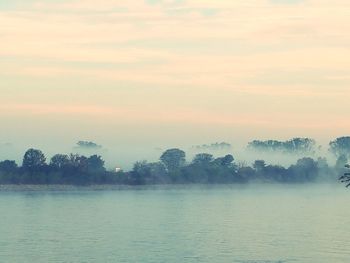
<point>136,75</point>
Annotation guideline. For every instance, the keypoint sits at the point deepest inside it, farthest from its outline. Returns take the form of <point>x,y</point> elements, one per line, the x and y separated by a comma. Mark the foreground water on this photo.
<point>182,224</point>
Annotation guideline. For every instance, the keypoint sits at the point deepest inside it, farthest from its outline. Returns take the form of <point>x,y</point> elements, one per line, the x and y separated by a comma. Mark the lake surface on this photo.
<point>244,224</point>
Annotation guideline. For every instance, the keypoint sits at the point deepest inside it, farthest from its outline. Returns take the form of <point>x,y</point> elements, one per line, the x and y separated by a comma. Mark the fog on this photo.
<point>124,155</point>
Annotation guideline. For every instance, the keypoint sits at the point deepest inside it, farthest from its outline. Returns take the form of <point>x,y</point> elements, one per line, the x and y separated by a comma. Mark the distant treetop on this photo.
<point>295,145</point>
<point>340,146</point>
<point>213,146</point>
<point>88,145</point>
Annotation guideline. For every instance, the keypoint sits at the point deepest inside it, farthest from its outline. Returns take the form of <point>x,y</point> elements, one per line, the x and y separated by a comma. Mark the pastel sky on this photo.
<point>159,72</point>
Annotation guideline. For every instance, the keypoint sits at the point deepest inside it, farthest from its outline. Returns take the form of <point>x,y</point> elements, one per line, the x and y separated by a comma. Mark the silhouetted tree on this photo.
<point>33,159</point>
<point>34,167</point>
<point>246,174</point>
<point>148,173</point>
<point>88,145</point>
<point>9,172</point>
<point>259,165</point>
<point>95,164</point>
<point>79,162</point>
<point>8,166</point>
<point>224,161</point>
<point>202,159</point>
<point>204,169</point>
<point>295,145</point>
<point>141,172</point>
<point>59,161</point>
<point>340,146</point>
<point>173,159</point>
<point>305,170</point>
<point>275,173</point>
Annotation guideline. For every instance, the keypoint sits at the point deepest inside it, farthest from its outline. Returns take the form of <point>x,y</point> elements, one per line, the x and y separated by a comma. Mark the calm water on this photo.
<point>217,224</point>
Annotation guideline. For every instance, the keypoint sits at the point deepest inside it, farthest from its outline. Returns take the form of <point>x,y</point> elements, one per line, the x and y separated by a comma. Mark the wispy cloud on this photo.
<point>264,48</point>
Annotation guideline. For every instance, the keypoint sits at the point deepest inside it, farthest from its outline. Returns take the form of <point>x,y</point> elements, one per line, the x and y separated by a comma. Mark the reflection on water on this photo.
<point>255,224</point>
<point>261,261</point>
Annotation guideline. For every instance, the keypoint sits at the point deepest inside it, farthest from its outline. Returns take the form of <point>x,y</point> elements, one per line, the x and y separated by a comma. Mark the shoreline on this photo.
<point>106,187</point>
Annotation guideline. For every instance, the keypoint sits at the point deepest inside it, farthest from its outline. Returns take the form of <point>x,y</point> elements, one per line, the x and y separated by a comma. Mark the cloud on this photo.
<point>253,50</point>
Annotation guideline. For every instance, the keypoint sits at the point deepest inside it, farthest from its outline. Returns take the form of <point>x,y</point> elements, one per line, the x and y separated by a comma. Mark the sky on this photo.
<point>157,73</point>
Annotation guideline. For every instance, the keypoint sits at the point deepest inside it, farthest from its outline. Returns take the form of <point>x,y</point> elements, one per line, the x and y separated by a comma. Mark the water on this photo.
<point>182,224</point>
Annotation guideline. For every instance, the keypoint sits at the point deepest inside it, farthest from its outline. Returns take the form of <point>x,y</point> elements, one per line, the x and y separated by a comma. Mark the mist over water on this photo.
<point>125,154</point>
<point>255,223</point>
<point>170,131</point>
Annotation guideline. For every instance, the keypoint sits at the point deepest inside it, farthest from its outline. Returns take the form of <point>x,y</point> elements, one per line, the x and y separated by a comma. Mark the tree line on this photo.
<point>339,146</point>
<point>172,168</point>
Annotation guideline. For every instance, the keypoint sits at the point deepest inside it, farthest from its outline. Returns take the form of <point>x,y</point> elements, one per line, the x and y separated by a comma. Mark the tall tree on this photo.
<point>95,163</point>
<point>340,146</point>
<point>33,159</point>
<point>202,159</point>
<point>259,165</point>
<point>173,159</point>
<point>59,161</point>
<point>8,166</point>
<point>225,161</point>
